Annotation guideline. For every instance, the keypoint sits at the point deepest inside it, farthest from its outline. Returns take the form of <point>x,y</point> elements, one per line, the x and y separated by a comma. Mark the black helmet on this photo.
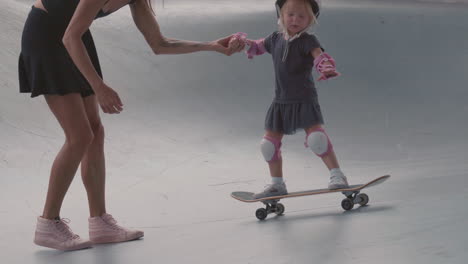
<point>313,3</point>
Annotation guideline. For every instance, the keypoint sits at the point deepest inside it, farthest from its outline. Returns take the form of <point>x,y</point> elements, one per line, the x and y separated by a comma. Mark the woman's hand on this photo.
<point>229,45</point>
<point>108,99</point>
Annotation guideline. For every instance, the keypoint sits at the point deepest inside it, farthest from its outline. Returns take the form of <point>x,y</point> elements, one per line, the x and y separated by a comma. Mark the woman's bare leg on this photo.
<point>103,227</point>
<point>93,169</point>
<point>71,115</point>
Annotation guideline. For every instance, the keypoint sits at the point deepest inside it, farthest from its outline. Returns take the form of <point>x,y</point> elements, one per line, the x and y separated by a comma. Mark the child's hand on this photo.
<point>328,72</point>
<point>325,66</point>
<point>257,48</point>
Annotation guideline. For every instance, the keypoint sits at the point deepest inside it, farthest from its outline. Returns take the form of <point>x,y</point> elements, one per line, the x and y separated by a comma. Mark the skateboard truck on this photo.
<point>272,206</point>
<point>352,198</point>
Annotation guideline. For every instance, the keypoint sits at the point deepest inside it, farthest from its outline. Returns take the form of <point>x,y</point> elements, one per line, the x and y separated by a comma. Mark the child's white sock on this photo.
<point>277,180</point>
<point>336,171</point>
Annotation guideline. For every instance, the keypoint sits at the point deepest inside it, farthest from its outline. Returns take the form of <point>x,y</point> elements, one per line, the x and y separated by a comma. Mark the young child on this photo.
<point>295,106</point>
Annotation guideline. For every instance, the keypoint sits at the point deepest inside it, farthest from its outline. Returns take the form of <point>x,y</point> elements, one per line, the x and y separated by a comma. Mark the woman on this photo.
<point>58,60</point>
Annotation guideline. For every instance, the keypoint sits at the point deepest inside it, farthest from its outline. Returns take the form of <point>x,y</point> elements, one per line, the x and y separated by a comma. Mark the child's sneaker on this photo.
<point>337,180</point>
<point>274,189</point>
<point>57,234</point>
<point>104,229</point>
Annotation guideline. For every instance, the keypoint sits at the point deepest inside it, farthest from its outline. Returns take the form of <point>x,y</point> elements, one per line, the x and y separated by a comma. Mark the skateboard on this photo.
<point>353,196</point>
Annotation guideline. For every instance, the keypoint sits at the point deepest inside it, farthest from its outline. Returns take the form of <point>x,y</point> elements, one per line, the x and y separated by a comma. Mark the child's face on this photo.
<point>295,16</point>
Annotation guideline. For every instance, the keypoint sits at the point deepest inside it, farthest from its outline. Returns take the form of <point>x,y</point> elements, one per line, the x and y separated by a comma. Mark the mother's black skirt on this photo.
<point>45,67</point>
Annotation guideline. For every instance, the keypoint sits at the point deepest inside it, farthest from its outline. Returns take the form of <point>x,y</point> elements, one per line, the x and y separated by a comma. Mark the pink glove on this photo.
<point>256,48</point>
<point>326,70</point>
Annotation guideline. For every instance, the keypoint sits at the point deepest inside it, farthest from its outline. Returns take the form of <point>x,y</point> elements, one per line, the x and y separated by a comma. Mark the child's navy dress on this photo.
<point>295,105</point>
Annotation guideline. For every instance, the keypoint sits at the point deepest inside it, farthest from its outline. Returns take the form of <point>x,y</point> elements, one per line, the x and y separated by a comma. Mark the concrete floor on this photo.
<point>190,131</point>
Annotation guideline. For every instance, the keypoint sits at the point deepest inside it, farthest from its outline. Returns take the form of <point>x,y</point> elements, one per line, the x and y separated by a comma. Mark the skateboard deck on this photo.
<point>352,193</point>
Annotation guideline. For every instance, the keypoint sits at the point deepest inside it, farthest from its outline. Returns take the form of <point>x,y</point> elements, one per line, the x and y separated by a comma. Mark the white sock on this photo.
<point>336,172</point>
<point>277,180</point>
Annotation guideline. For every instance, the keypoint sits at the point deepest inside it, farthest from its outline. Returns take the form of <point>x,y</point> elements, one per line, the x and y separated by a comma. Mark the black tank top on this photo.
<point>64,9</point>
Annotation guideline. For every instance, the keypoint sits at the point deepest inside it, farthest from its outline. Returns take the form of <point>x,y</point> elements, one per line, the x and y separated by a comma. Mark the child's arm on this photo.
<point>324,64</point>
<point>257,47</point>
<point>147,24</point>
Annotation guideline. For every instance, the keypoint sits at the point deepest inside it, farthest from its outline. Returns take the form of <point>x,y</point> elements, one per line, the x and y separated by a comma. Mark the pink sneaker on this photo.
<point>58,235</point>
<point>104,229</point>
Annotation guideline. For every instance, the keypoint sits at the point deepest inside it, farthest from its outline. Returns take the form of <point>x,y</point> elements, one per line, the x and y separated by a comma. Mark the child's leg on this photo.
<point>271,150</point>
<point>321,145</point>
<point>319,142</point>
<point>329,156</point>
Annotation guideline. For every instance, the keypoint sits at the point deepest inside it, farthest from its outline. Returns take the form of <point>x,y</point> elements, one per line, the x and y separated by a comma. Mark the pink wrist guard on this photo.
<point>256,48</point>
<point>322,67</point>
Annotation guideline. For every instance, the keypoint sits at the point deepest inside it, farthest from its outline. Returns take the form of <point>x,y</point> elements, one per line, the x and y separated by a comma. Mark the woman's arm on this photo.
<point>148,26</point>
<point>81,21</point>
<point>82,18</point>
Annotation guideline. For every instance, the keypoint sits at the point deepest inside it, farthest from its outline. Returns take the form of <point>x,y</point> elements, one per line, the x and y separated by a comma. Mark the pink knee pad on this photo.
<point>319,142</point>
<point>271,149</point>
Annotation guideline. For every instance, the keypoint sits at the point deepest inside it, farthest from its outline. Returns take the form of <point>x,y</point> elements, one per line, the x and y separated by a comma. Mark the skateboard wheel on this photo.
<point>279,209</point>
<point>261,213</point>
<point>347,204</point>
<point>363,199</point>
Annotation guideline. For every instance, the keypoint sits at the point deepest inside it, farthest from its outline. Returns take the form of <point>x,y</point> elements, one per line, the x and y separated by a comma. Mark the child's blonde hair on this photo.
<point>310,12</point>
